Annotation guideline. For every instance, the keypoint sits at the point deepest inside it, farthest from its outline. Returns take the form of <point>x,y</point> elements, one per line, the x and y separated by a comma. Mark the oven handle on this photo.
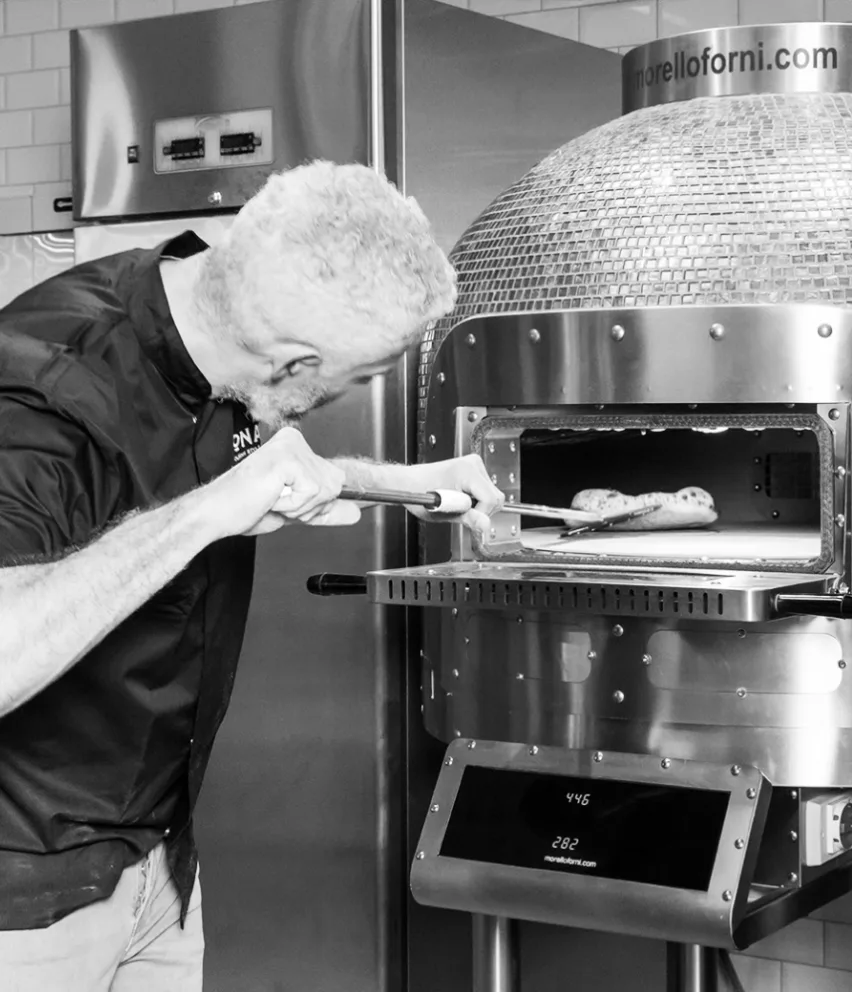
<point>332,584</point>
<point>815,605</point>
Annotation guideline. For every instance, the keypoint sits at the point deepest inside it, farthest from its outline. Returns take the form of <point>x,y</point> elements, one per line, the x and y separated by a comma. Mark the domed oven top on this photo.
<point>691,199</point>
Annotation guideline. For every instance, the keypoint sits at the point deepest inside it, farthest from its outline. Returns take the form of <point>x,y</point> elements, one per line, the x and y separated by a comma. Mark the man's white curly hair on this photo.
<point>333,255</point>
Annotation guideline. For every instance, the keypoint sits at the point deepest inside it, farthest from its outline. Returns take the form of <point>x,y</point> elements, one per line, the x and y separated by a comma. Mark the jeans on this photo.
<point>131,942</point>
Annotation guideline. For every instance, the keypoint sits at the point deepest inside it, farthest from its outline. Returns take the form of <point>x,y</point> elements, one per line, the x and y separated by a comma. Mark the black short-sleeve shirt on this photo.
<point>102,412</point>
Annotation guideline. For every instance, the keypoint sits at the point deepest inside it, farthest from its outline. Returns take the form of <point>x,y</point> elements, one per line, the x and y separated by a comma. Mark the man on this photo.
<point>128,513</point>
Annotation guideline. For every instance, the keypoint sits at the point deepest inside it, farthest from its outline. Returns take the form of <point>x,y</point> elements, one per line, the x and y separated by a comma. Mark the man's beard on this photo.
<point>277,406</point>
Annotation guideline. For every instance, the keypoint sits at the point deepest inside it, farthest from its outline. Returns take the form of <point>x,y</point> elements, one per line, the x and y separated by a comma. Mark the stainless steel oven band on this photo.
<point>736,61</point>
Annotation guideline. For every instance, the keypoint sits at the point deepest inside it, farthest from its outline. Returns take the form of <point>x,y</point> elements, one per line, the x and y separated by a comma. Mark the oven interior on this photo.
<point>767,480</point>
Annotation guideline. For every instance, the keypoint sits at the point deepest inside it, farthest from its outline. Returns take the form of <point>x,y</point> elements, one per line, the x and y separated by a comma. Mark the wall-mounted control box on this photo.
<point>213,141</point>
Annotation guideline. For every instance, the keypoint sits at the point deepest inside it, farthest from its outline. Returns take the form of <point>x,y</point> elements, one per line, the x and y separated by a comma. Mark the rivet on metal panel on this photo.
<point>717,332</point>
<point>456,733</point>
<point>727,895</point>
<point>617,630</point>
<point>666,763</point>
<point>840,472</point>
<point>493,531</point>
<point>512,446</point>
<point>511,477</point>
<point>751,793</point>
<point>519,619</point>
<point>741,632</point>
<point>736,769</point>
<point>841,663</point>
<point>491,447</point>
<point>617,332</point>
<point>824,330</point>
<point>511,497</point>
<point>592,655</point>
<point>473,417</point>
<point>535,336</point>
<point>471,745</point>
<point>455,673</point>
<point>514,529</point>
<point>533,749</point>
<point>646,659</point>
<point>840,520</point>
<point>757,461</point>
<point>215,197</point>
<point>739,843</point>
<point>834,413</point>
<point>434,808</point>
<point>692,406</point>
<point>757,487</point>
<point>442,378</point>
<point>742,693</point>
<point>794,793</point>
<point>454,613</point>
<point>598,756</point>
<point>599,406</point>
<point>449,761</point>
<point>794,836</point>
<point>792,877</point>
<point>618,696</point>
<point>494,478</point>
<point>471,340</point>
<point>520,677</point>
<point>432,440</point>
<point>421,855</point>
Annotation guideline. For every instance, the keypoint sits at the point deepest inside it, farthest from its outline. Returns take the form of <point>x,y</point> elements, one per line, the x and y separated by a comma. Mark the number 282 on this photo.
<point>565,843</point>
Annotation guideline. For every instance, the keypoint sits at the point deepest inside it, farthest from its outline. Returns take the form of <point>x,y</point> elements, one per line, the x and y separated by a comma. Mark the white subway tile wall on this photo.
<point>838,10</point>
<point>564,22</point>
<point>679,16</point>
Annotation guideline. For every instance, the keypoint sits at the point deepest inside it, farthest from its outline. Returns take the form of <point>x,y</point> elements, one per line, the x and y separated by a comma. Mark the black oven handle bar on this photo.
<point>334,584</point>
<point>837,605</point>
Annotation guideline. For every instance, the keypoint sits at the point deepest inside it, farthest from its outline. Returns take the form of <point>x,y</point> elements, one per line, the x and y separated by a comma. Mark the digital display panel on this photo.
<point>631,831</point>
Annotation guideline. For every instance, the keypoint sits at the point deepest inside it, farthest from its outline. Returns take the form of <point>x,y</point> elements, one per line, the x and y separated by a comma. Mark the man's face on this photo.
<point>277,402</point>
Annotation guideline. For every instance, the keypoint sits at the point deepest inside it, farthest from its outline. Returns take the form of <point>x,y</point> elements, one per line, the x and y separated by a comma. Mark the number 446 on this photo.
<point>565,843</point>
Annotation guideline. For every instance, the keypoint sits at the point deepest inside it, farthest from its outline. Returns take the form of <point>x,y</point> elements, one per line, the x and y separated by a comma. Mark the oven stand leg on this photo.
<point>495,954</point>
<point>691,968</point>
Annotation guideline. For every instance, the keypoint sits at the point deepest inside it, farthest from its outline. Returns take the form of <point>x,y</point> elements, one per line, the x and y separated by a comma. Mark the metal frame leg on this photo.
<point>691,968</point>
<point>495,954</point>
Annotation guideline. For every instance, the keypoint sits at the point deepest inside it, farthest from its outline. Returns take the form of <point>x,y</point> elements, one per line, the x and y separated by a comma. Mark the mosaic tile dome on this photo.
<point>734,200</point>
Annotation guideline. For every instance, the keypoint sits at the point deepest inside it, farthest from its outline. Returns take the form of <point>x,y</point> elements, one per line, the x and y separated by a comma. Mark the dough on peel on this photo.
<point>690,507</point>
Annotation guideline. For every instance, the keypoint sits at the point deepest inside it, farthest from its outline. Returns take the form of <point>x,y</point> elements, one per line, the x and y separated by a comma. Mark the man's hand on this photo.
<point>283,481</point>
<point>465,474</point>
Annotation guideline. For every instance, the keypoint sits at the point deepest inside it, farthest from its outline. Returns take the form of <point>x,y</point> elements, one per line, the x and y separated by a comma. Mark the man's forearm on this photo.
<point>53,613</point>
<point>361,473</point>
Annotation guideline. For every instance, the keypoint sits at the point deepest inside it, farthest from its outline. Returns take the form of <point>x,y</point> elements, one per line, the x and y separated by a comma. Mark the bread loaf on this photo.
<point>691,507</point>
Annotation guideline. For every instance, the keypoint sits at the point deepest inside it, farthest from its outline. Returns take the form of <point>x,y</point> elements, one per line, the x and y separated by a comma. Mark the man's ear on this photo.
<point>293,360</point>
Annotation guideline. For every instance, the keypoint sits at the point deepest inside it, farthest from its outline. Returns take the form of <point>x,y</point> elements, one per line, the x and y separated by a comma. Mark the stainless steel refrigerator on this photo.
<point>320,771</point>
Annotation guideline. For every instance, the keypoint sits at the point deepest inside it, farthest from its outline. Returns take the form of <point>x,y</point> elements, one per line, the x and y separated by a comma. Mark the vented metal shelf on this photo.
<point>733,596</point>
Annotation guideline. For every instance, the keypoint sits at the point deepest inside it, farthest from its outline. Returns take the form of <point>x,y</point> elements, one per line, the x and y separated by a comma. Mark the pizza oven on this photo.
<point>650,732</point>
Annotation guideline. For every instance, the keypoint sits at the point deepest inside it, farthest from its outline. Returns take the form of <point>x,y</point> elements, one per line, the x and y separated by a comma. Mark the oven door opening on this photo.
<point>767,481</point>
